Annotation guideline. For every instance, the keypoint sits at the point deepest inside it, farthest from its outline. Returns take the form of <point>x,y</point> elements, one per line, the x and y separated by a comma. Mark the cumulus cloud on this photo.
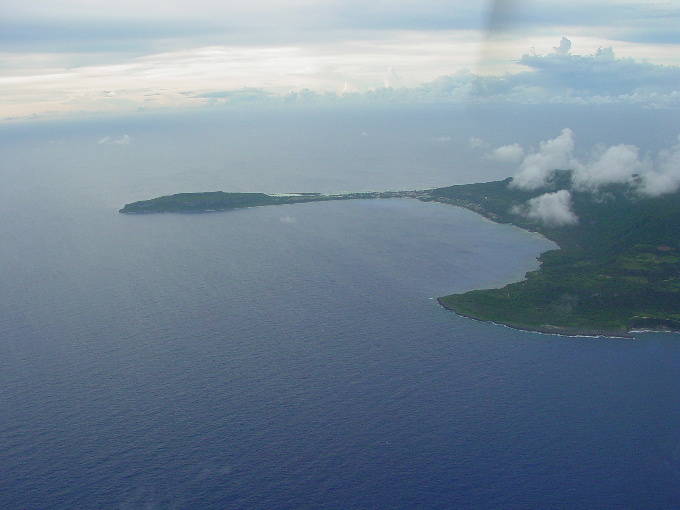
<point>112,140</point>
<point>564,48</point>
<point>608,165</point>
<point>561,77</point>
<point>537,167</point>
<point>599,75</point>
<point>617,164</point>
<point>507,153</point>
<point>551,209</point>
<point>664,177</point>
<point>653,175</point>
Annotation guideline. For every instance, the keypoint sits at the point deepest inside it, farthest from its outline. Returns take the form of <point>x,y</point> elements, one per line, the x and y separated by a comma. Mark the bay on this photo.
<point>293,357</point>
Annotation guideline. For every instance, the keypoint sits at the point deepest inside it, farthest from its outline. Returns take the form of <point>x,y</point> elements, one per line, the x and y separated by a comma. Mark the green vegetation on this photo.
<point>220,201</point>
<point>617,270</point>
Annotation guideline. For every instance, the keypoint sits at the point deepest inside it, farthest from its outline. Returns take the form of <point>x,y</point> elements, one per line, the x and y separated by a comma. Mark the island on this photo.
<point>213,201</point>
<point>617,269</point>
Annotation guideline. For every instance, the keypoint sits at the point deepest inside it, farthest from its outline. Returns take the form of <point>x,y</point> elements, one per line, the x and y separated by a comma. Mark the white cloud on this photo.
<point>537,167</point>
<point>214,74</point>
<point>477,143</point>
<point>392,78</point>
<point>350,70</point>
<point>615,164</point>
<point>564,48</point>
<point>507,153</point>
<point>665,176</point>
<point>112,140</point>
<point>551,209</point>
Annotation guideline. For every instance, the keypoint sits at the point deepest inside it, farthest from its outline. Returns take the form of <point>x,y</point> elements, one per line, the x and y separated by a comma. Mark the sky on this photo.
<point>75,57</point>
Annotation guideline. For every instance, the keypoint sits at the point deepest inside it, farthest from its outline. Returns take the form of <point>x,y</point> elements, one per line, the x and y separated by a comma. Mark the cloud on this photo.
<point>140,28</point>
<point>477,143</point>
<point>652,175</point>
<point>616,164</point>
<point>551,209</point>
<point>89,20</point>
<point>507,153</point>
<point>392,78</point>
<point>561,77</point>
<point>238,96</point>
<point>443,139</point>
<point>664,177</point>
<point>537,167</point>
<point>284,74</point>
<point>598,74</point>
<point>564,48</point>
<point>351,72</point>
<point>241,14</point>
<point>112,140</point>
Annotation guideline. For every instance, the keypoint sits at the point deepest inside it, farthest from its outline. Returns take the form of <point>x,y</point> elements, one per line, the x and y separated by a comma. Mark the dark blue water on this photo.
<point>292,358</point>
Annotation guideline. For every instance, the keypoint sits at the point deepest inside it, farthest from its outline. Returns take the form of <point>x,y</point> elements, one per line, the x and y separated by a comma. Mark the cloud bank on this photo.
<point>648,175</point>
<point>542,167</point>
<point>559,77</point>
<point>389,71</point>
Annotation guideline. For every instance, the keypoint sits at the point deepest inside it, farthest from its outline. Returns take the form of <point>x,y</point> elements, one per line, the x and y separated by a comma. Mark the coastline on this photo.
<point>628,334</point>
<point>531,304</point>
<point>555,330</point>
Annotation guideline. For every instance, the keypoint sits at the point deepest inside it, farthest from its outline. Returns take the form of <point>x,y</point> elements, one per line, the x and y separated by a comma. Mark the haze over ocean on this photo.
<point>292,357</point>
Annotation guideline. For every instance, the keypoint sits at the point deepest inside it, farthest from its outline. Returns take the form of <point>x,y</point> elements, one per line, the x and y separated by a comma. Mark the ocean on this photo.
<point>294,357</point>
